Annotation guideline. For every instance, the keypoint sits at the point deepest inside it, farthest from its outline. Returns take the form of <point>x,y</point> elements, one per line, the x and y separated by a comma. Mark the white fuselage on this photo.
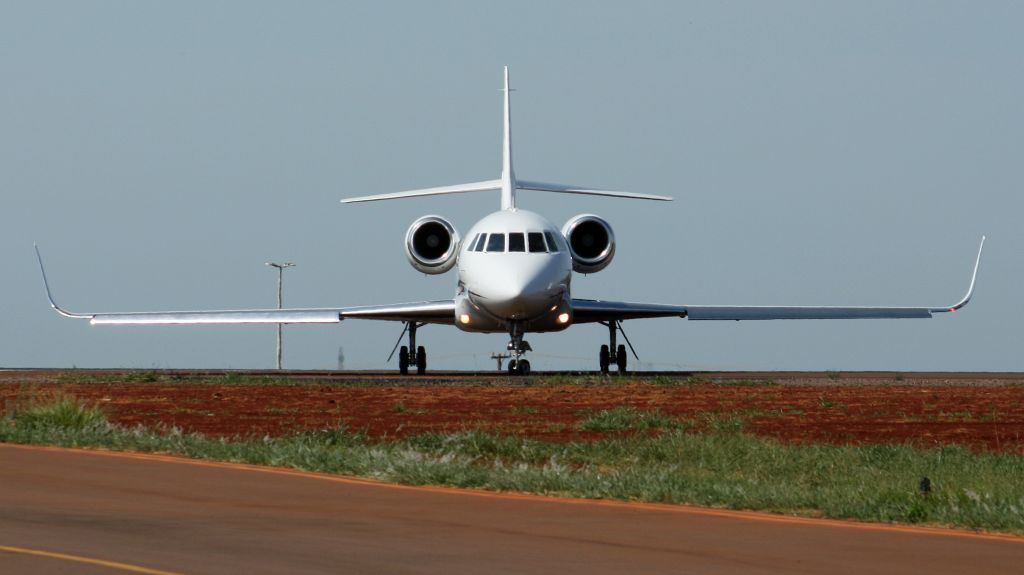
<point>514,267</point>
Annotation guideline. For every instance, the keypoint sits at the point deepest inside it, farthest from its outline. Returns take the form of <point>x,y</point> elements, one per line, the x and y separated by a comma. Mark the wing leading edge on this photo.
<point>585,311</point>
<point>442,311</point>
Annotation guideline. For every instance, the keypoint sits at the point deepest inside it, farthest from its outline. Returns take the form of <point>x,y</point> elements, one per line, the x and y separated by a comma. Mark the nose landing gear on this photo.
<point>517,347</point>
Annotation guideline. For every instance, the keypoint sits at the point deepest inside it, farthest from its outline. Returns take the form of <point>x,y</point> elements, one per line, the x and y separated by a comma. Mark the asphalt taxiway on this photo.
<point>72,511</point>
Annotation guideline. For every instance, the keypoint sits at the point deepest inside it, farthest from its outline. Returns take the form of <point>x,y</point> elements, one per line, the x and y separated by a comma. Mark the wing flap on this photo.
<point>739,313</point>
<point>587,311</point>
<point>246,316</point>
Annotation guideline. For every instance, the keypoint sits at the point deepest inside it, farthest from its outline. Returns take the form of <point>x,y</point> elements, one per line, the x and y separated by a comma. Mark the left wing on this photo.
<point>442,311</point>
<point>585,311</point>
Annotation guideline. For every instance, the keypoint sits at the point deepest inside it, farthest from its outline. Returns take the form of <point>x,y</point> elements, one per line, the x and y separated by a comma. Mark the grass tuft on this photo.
<point>63,412</point>
<point>627,418</point>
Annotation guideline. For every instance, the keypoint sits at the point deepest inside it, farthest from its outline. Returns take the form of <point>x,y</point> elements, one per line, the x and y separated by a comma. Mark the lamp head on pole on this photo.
<point>280,266</point>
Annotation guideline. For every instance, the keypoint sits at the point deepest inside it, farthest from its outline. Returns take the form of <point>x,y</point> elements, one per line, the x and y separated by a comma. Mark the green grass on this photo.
<point>723,468</point>
<point>626,419</point>
<point>62,412</point>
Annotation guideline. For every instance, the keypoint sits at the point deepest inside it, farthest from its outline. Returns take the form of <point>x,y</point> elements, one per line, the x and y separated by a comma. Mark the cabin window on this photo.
<point>496,243</point>
<point>516,242</point>
<point>536,240</point>
<point>479,247</point>
<point>552,245</point>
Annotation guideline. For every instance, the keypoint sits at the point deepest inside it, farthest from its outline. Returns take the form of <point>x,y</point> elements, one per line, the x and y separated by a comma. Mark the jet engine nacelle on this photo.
<point>591,243</point>
<point>432,245</point>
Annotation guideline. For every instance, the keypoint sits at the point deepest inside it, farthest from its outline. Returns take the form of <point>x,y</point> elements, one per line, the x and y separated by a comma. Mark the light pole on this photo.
<point>280,301</point>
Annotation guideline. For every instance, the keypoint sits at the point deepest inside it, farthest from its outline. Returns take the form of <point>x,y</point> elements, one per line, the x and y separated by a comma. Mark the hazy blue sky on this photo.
<point>819,154</point>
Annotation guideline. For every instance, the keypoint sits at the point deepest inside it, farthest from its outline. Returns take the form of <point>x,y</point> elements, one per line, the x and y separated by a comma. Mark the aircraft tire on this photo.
<point>604,359</point>
<point>523,367</point>
<point>620,359</point>
<point>421,360</point>
<point>403,360</point>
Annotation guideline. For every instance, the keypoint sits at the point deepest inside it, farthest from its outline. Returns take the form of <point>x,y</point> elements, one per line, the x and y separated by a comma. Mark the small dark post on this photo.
<point>925,486</point>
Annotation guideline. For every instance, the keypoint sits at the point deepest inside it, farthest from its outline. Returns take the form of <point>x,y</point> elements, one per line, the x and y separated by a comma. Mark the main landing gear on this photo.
<point>410,355</point>
<point>517,347</point>
<point>606,357</point>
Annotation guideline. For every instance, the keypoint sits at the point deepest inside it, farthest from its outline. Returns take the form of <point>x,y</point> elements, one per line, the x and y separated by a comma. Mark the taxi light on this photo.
<point>464,318</point>
<point>563,317</point>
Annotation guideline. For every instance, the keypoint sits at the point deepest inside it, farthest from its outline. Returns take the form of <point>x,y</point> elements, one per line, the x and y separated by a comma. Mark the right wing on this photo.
<point>442,311</point>
<point>585,311</point>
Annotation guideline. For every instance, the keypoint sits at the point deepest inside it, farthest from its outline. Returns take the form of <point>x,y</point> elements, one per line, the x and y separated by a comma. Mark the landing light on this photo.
<point>464,319</point>
<point>563,317</point>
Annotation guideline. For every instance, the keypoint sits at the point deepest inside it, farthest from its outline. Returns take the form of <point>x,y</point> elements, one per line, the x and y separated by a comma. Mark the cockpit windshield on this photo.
<point>533,242</point>
<point>496,243</point>
<point>552,246</point>
<point>536,241</point>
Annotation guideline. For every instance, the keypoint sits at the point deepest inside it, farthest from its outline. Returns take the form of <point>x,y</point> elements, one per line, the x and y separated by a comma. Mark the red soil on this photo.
<point>987,416</point>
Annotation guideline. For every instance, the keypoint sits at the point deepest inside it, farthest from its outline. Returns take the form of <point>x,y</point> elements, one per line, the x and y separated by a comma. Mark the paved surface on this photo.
<point>31,375</point>
<point>167,515</point>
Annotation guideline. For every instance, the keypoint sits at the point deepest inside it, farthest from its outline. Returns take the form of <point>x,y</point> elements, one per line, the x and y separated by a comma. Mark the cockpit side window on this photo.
<point>479,247</point>
<point>472,244</point>
<point>552,244</point>
<point>496,243</point>
<point>516,242</point>
<point>536,241</point>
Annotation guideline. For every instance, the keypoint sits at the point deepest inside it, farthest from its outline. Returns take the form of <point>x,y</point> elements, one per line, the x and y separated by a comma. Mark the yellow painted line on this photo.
<point>88,560</point>
<point>457,491</point>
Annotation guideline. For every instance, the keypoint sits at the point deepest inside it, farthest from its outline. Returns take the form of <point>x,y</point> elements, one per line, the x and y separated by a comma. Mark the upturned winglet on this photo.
<point>970,289</point>
<point>49,296</point>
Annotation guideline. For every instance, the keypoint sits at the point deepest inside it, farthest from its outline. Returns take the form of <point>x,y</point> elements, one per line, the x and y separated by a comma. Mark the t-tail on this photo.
<point>507,183</point>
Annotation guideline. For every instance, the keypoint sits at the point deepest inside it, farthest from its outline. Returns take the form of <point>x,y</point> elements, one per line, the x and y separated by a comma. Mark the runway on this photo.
<point>153,514</point>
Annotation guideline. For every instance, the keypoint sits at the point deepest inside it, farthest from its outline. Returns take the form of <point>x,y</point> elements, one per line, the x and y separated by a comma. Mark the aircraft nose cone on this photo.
<point>513,295</point>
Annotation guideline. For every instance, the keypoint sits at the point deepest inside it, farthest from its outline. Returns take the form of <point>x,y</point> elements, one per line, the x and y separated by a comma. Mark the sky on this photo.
<point>818,153</point>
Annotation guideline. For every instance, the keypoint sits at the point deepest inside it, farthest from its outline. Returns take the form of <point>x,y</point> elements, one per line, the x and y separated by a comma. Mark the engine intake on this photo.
<point>591,243</point>
<point>432,245</point>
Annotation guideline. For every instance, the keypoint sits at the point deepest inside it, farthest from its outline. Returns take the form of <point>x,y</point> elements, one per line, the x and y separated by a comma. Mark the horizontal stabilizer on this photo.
<point>456,189</point>
<point>567,189</point>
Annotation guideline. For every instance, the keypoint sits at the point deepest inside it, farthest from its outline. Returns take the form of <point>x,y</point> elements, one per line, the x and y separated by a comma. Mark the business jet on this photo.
<point>514,276</point>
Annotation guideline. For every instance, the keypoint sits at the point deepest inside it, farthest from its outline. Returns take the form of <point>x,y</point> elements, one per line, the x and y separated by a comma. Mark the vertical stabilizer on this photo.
<point>508,184</point>
<point>508,178</point>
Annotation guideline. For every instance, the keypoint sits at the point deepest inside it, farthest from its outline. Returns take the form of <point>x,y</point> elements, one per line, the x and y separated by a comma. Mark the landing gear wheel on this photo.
<point>421,360</point>
<point>523,367</point>
<point>604,359</point>
<point>512,367</point>
<point>620,359</point>
<point>403,360</point>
